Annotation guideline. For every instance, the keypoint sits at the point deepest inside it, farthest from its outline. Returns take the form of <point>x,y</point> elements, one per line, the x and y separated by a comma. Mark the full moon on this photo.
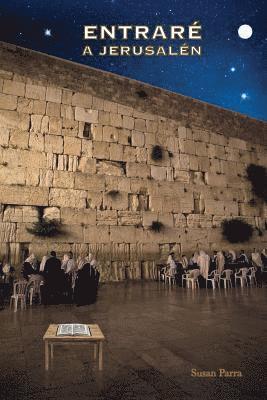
<point>245,31</point>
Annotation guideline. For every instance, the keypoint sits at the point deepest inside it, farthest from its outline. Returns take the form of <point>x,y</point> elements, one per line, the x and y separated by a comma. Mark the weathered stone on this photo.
<point>52,109</point>
<point>83,115</point>
<point>115,120</point>
<point>82,100</point>
<point>36,141</point>
<point>96,234</point>
<point>53,94</point>
<point>87,166</point>
<point>89,182</point>
<point>110,134</point>
<point>12,176</point>
<point>70,216</point>
<point>35,92</point>
<point>72,146</point>
<point>118,201</point>
<point>30,214</point>
<point>13,87</point>
<point>106,217</point>
<point>67,198</point>
<point>8,102</point>
<point>63,179</point>
<point>138,139</point>
<point>140,170</point>
<point>19,139</point>
<point>53,144</point>
<point>116,152</point>
<point>7,232</point>
<point>158,173</point>
<point>101,150</point>
<point>12,214</point>
<point>23,195</point>
<point>109,168</point>
<point>127,122</point>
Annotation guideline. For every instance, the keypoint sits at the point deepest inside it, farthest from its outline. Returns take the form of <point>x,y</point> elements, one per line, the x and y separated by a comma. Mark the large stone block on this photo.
<point>110,134</point>
<point>96,234</point>
<point>129,218</point>
<point>54,144</point>
<point>30,214</point>
<point>116,151</point>
<point>94,199</point>
<point>12,214</point>
<point>70,216</point>
<point>109,168</point>
<point>117,201</point>
<point>14,87</point>
<point>199,221</point>
<point>107,217</point>
<point>123,234</point>
<point>72,146</point>
<point>214,207</point>
<point>138,139</point>
<point>36,141</point>
<point>19,139</point>
<point>8,102</point>
<point>67,198</point>
<point>86,165</point>
<point>53,94</point>
<point>25,106</point>
<point>215,179</point>
<point>127,122</point>
<point>63,179</point>
<point>52,109</point>
<point>36,196</point>
<point>35,92</point>
<point>116,120</point>
<point>139,170</point>
<point>90,116</point>
<point>51,213</point>
<point>12,176</point>
<point>89,182</point>
<point>7,232</point>
<point>82,100</point>
<point>158,173</point>
<point>101,150</point>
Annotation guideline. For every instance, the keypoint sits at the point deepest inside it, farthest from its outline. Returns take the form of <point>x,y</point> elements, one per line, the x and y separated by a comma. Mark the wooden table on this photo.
<point>50,339</point>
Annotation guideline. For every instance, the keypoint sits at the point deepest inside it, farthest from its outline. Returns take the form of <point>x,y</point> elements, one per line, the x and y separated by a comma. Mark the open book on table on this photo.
<point>73,330</point>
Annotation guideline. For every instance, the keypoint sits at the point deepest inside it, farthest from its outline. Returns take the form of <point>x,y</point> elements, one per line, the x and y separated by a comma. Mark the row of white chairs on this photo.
<point>245,276</point>
<point>23,291</point>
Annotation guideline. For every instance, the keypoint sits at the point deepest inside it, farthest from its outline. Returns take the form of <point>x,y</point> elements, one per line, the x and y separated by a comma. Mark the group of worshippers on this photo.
<point>64,281</point>
<point>219,261</point>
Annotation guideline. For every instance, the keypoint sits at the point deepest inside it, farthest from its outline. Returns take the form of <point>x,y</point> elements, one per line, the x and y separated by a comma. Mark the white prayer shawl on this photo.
<point>233,254</point>
<point>184,262</point>
<point>65,262</point>
<point>85,260</point>
<point>264,252</point>
<point>220,262</point>
<point>203,262</point>
<point>43,262</point>
<point>6,268</point>
<point>171,261</point>
<point>70,266</point>
<point>245,257</point>
<point>256,258</point>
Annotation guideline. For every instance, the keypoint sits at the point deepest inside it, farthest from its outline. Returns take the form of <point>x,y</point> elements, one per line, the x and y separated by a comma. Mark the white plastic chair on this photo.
<point>162,274</point>
<point>226,277</point>
<point>34,288</point>
<point>242,276</point>
<point>170,276</point>
<point>252,276</point>
<point>213,277</point>
<point>19,293</point>
<point>191,278</point>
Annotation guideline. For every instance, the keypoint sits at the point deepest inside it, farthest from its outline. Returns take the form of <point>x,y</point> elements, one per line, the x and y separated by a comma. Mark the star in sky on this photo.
<point>232,69</point>
<point>47,32</point>
<point>244,96</point>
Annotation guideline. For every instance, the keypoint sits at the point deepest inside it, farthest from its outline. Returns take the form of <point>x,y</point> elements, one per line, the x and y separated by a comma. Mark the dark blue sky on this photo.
<point>232,72</point>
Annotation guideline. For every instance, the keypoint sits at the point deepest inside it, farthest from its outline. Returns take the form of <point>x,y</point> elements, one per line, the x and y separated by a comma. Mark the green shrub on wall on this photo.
<point>156,226</point>
<point>257,175</point>
<point>236,230</point>
<point>45,228</point>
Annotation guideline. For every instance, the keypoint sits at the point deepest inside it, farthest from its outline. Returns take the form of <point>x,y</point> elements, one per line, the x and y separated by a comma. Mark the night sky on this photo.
<point>231,73</point>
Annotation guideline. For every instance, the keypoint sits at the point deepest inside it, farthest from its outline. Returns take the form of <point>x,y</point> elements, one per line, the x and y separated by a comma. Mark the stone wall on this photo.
<point>76,143</point>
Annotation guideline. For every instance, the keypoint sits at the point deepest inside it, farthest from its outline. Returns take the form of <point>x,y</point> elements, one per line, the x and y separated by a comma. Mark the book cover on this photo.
<point>133,177</point>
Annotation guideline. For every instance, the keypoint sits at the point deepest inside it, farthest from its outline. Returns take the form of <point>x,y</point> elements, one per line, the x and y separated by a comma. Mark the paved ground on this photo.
<point>155,337</point>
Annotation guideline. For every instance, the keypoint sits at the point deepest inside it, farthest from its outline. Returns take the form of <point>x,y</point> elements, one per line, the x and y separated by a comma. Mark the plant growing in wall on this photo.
<point>113,193</point>
<point>142,94</point>
<point>236,230</point>
<point>44,227</point>
<point>257,175</point>
<point>156,226</point>
<point>157,153</point>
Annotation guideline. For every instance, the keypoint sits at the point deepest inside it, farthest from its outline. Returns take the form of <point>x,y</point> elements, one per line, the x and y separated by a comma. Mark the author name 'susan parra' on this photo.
<point>220,373</point>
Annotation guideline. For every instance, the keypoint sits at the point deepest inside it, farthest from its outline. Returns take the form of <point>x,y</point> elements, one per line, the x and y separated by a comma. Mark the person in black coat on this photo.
<point>86,284</point>
<point>54,280</point>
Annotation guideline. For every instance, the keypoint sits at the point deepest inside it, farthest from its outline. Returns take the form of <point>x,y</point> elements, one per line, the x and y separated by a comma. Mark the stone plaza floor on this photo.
<point>155,336</point>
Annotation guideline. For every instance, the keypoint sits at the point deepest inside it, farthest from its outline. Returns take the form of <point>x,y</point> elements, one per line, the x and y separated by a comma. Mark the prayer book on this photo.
<point>73,330</point>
